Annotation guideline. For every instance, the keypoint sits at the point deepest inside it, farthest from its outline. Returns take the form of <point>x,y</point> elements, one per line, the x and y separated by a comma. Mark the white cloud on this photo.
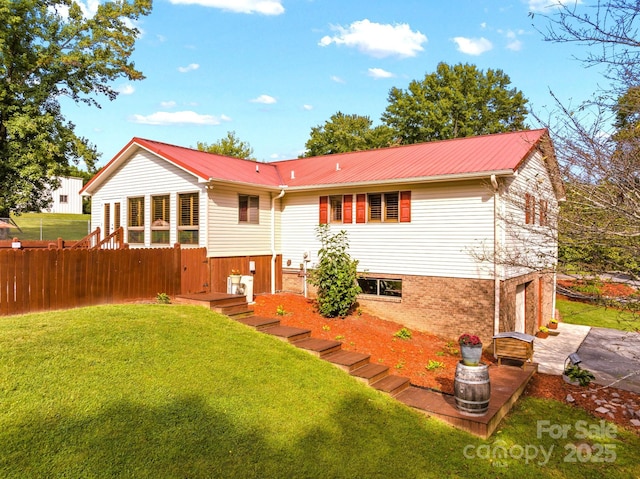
<point>380,73</point>
<point>483,25</point>
<point>265,99</point>
<point>189,68</point>
<point>126,89</point>
<point>473,46</point>
<point>307,107</point>
<point>337,79</point>
<point>225,118</point>
<point>378,40</point>
<point>178,118</point>
<point>265,7</point>
<point>542,5</point>
<point>513,43</point>
<point>168,104</point>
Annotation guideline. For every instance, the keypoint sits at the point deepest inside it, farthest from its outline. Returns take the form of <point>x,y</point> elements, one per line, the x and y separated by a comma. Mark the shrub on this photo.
<point>404,333</point>
<point>163,298</point>
<point>336,274</point>
<point>433,365</point>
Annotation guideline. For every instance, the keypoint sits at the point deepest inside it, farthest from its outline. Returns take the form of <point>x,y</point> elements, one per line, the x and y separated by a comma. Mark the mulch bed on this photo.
<point>411,358</point>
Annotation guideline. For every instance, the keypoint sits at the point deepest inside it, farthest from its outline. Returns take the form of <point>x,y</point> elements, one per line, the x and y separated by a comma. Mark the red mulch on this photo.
<point>371,335</point>
<point>607,288</point>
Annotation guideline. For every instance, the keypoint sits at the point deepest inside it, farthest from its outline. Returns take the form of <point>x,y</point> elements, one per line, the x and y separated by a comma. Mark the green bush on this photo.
<point>336,274</point>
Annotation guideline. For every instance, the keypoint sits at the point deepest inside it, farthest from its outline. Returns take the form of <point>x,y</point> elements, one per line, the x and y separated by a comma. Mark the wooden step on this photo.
<point>347,360</point>
<point>258,322</point>
<point>318,347</point>
<point>210,300</point>
<point>370,373</point>
<point>288,333</point>
<point>233,308</point>
<point>392,384</point>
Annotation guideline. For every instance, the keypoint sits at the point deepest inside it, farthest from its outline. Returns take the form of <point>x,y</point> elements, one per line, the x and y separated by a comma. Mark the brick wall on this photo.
<point>449,307</point>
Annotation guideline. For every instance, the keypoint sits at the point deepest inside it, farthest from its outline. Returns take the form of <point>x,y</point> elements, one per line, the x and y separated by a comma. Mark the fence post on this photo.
<point>177,269</point>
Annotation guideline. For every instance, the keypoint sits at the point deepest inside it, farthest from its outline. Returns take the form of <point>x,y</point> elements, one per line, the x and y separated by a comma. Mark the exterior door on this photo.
<point>110,217</point>
<point>520,308</point>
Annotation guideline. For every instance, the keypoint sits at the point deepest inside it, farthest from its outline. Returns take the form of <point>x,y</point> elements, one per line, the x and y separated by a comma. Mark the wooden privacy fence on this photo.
<point>49,279</point>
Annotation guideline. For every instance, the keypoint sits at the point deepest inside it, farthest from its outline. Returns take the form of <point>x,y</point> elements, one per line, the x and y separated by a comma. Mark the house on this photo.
<point>451,236</point>
<point>66,198</point>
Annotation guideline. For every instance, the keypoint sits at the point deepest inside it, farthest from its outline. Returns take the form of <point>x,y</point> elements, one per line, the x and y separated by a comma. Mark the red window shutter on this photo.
<point>361,208</point>
<point>347,209</point>
<point>324,210</point>
<point>405,207</point>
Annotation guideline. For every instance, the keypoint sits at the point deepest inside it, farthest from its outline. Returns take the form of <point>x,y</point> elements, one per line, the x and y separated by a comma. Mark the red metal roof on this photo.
<point>458,158</point>
<point>480,155</point>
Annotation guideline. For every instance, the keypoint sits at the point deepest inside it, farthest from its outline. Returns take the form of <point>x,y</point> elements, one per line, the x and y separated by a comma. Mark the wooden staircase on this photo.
<point>354,363</point>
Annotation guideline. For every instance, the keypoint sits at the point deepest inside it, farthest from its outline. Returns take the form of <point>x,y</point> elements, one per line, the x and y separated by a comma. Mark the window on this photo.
<point>335,207</point>
<point>107,219</point>
<point>544,212</point>
<point>372,207</point>
<point>248,209</point>
<point>188,218</point>
<point>136,220</point>
<point>64,199</point>
<point>116,216</point>
<point>160,221</point>
<point>381,286</point>
<point>529,209</point>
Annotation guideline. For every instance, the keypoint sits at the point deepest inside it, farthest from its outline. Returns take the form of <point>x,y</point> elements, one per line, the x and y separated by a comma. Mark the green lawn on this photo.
<point>51,226</point>
<point>574,312</point>
<point>162,391</point>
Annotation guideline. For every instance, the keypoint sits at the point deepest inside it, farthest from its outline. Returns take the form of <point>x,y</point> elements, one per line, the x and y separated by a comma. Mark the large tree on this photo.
<point>455,101</point>
<point>230,145</point>
<point>344,133</point>
<point>598,143</point>
<point>51,49</point>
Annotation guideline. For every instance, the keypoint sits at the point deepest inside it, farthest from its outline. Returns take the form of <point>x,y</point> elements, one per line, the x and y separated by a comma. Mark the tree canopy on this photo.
<point>343,133</point>
<point>230,145</point>
<point>598,144</point>
<point>453,102</point>
<point>50,49</point>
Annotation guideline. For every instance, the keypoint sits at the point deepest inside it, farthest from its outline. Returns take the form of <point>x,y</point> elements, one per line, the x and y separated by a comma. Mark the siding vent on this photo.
<point>293,175</point>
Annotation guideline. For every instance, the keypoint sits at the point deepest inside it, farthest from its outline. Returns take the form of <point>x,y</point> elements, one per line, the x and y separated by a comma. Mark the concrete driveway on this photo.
<point>611,355</point>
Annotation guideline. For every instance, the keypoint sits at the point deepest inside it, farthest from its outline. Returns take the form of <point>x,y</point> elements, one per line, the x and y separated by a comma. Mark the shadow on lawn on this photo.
<point>188,438</point>
<point>362,437</point>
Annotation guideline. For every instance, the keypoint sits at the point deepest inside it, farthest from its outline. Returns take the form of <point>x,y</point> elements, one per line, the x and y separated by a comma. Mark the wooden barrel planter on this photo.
<point>472,389</point>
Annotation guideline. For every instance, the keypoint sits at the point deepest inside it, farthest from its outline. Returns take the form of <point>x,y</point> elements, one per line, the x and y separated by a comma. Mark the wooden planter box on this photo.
<point>512,345</point>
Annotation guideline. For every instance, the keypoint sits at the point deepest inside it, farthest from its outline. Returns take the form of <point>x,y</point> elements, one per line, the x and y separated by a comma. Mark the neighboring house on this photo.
<point>67,198</point>
<point>451,236</point>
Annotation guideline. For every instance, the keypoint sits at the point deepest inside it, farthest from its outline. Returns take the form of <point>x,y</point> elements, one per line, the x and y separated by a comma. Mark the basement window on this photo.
<point>381,286</point>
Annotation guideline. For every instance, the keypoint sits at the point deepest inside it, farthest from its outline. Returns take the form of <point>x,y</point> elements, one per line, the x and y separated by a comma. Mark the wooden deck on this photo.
<point>507,382</point>
<point>507,385</point>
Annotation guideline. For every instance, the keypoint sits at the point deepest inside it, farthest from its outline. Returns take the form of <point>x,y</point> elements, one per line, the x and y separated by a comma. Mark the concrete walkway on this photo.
<point>552,352</point>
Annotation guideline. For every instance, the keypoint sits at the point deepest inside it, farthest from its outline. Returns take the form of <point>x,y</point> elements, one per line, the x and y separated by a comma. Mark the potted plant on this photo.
<point>470,348</point>
<point>543,332</point>
<point>553,324</point>
<point>235,276</point>
<point>575,375</point>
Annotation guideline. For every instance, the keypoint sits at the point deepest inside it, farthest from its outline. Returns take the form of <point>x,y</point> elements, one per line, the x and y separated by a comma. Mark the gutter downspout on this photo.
<point>273,240</point>
<point>496,245</point>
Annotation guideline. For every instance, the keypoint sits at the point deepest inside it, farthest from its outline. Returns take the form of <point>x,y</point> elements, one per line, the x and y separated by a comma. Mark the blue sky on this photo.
<point>270,70</point>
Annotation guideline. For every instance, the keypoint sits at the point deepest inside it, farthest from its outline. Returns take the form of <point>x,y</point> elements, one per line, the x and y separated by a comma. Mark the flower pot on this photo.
<point>542,335</point>
<point>235,278</point>
<point>471,354</point>
<point>552,325</point>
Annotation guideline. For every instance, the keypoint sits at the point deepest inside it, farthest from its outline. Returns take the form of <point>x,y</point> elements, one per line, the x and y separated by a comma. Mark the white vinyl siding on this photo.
<point>446,221</point>
<point>229,236</point>
<point>535,245</point>
<point>146,175</point>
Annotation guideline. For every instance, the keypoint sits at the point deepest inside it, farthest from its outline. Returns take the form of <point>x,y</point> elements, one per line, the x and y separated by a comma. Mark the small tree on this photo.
<point>336,274</point>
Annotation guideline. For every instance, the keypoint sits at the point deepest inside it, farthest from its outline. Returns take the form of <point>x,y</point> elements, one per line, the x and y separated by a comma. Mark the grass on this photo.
<point>574,312</point>
<point>150,391</point>
<point>51,226</point>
